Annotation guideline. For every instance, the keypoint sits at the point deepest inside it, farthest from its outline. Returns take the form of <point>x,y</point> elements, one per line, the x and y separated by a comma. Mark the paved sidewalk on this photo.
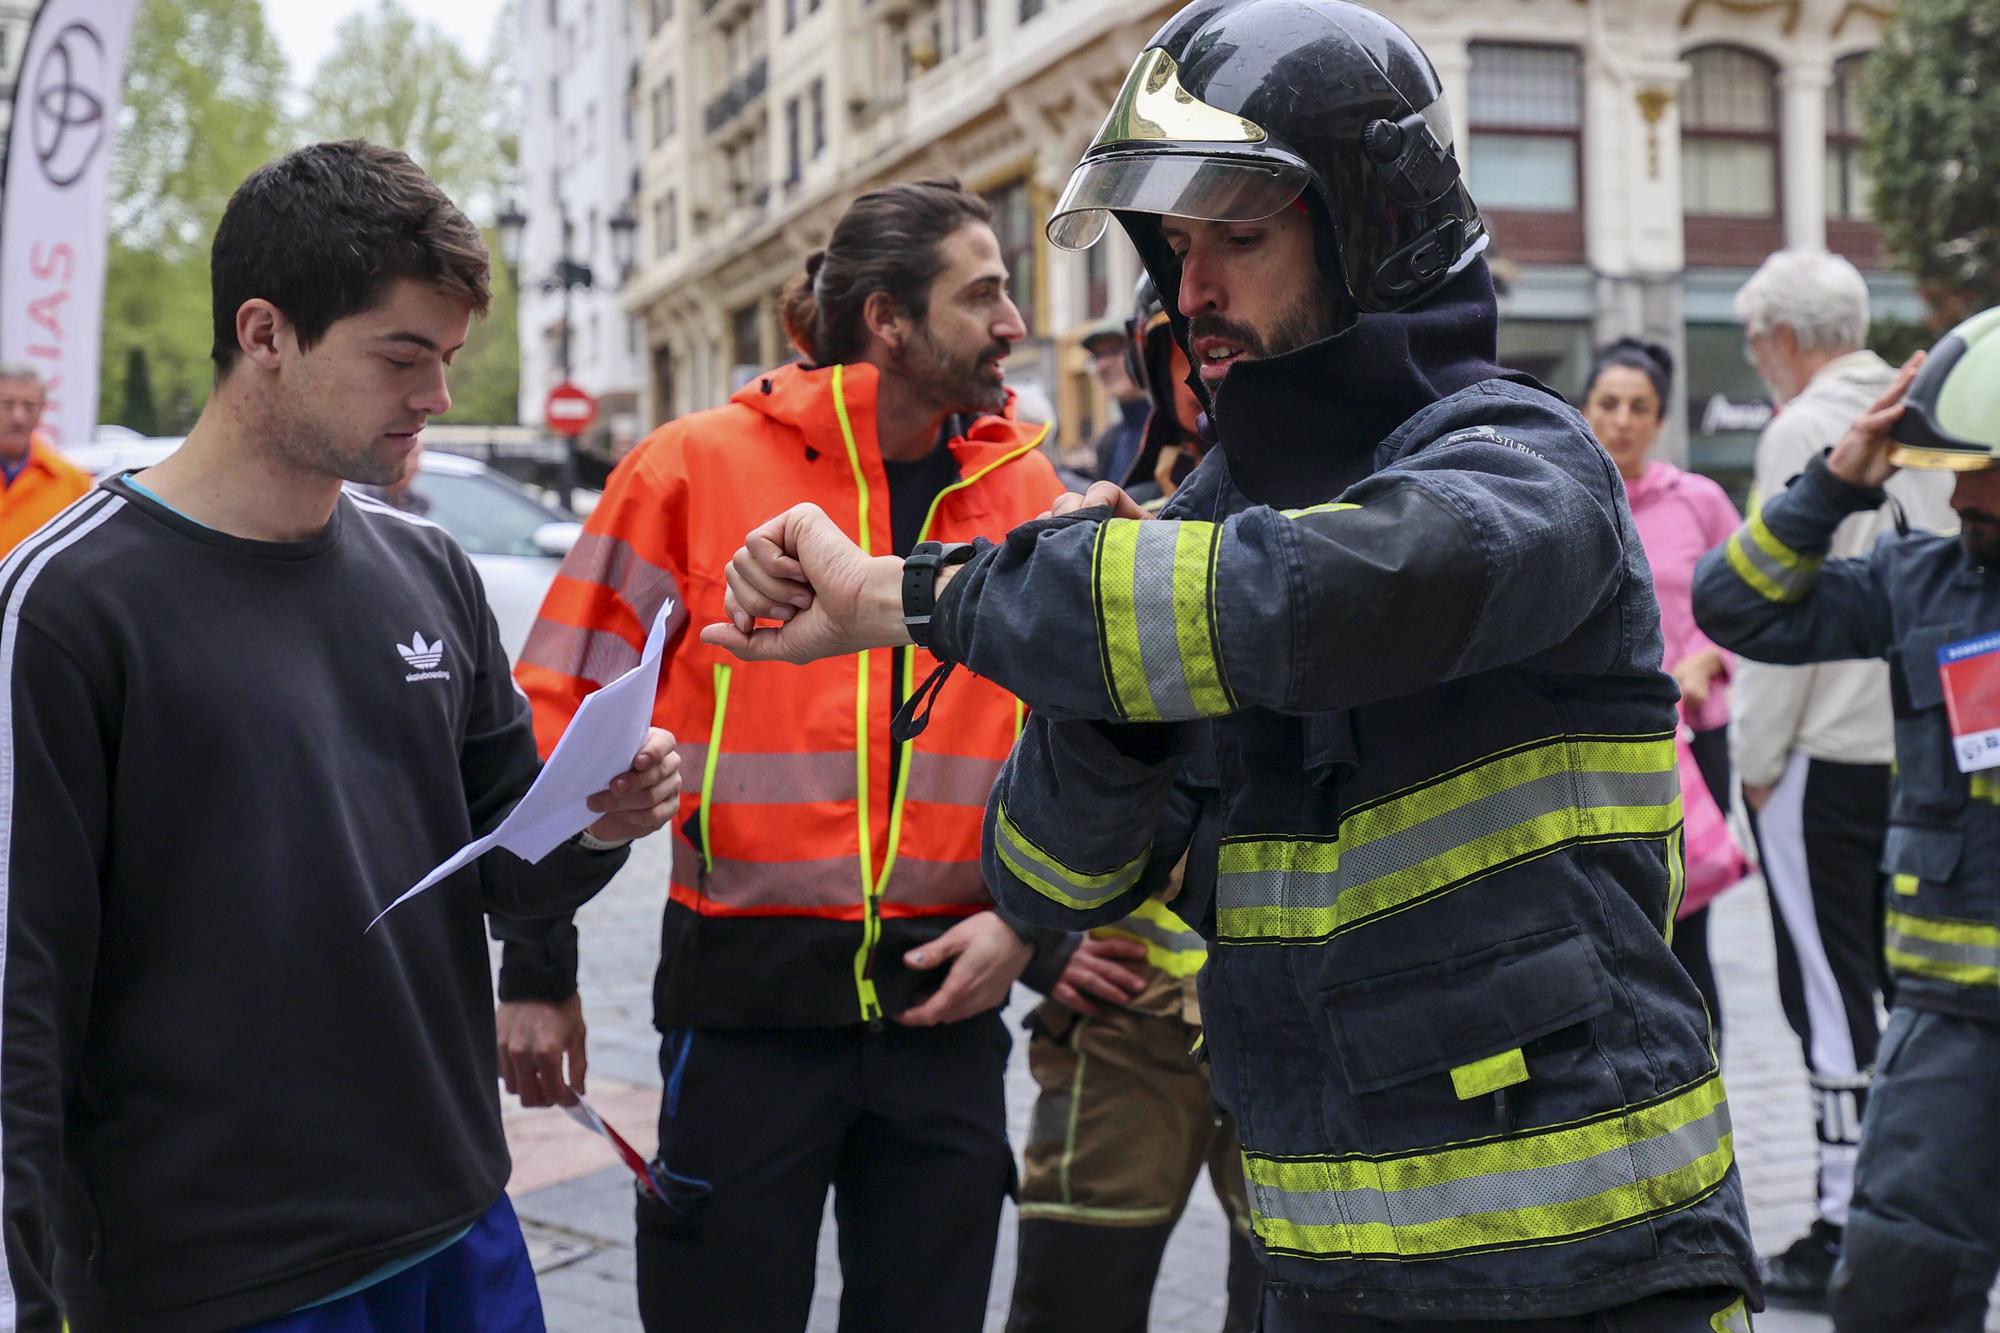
<point>576,1202</point>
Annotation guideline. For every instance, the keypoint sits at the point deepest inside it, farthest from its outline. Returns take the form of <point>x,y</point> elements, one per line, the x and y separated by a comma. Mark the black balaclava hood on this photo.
<point>1300,427</point>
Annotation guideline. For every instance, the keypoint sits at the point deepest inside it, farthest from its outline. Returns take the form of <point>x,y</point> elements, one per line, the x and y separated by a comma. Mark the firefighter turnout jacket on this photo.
<point>807,858</point>
<point>1470,1079</point>
<point>1772,595</point>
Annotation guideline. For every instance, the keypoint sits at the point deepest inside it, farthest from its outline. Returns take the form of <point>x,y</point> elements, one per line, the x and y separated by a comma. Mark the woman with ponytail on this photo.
<point>1681,516</point>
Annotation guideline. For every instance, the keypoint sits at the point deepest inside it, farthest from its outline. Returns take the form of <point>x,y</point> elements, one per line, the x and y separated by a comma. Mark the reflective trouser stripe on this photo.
<point>1170,945</point>
<point>1051,878</point>
<point>1965,953</point>
<point>1535,1188</point>
<point>1405,849</point>
<point>1775,570</point>
<point>1985,787</point>
<point>1155,598</point>
<point>1732,1318</point>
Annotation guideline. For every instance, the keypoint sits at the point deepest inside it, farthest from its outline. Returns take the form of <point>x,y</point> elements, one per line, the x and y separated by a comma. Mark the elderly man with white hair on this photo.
<point>1813,744</point>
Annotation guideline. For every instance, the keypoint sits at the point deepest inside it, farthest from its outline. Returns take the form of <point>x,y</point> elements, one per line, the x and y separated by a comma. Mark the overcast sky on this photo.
<point>305,27</point>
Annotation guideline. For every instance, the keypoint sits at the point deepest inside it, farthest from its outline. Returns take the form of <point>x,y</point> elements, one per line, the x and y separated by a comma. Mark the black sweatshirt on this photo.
<point>219,758</point>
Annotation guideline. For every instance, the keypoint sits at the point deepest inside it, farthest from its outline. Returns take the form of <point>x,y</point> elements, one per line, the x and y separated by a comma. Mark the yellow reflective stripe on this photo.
<point>1316,509</point>
<point>709,761</point>
<point>1732,1318</point>
<point>1965,953</point>
<point>1905,885</point>
<point>871,924</point>
<point>1676,877</point>
<point>1125,663</point>
<point>1775,570</point>
<point>1633,1164</point>
<point>1985,787</point>
<point>1172,945</point>
<point>1490,1075</point>
<point>1196,546</point>
<point>1409,847</point>
<point>1051,878</point>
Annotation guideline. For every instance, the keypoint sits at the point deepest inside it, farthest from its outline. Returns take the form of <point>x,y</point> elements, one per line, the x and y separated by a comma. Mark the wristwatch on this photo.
<point>920,571</point>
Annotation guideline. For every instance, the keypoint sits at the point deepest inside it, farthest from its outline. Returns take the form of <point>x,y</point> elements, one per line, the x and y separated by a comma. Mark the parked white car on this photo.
<point>515,538</point>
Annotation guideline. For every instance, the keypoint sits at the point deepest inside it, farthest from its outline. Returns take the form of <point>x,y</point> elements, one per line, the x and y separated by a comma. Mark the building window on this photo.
<point>746,340</point>
<point>662,10</point>
<point>791,14</point>
<point>1847,181</point>
<point>1014,227</point>
<point>659,114</point>
<point>1030,8</point>
<point>1729,157</point>
<point>555,97</point>
<point>666,224</point>
<point>1525,127</point>
<point>817,96</point>
<point>1729,130</point>
<point>794,142</point>
<point>1096,282</point>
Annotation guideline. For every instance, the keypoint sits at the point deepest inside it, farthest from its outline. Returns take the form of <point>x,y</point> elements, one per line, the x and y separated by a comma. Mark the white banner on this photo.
<point>52,215</point>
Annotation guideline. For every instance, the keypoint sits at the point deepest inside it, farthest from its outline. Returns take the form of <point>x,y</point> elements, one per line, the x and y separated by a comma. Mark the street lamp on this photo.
<point>567,276</point>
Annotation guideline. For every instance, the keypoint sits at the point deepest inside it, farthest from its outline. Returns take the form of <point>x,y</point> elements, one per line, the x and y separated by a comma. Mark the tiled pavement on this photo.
<point>576,1203</point>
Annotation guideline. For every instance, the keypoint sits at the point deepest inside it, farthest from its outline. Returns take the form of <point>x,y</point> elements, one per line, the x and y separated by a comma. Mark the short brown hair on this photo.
<point>889,240</point>
<point>324,232</point>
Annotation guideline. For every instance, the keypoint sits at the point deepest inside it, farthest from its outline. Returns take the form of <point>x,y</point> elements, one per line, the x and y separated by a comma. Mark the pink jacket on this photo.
<point>1681,517</point>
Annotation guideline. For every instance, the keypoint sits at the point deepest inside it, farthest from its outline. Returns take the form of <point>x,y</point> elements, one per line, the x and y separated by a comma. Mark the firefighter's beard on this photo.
<point>954,382</point>
<point>1979,533</point>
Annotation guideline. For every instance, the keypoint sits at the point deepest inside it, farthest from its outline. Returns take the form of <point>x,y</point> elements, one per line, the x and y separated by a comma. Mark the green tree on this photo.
<point>395,81</point>
<point>138,412</point>
<point>204,88</point>
<point>1931,106</point>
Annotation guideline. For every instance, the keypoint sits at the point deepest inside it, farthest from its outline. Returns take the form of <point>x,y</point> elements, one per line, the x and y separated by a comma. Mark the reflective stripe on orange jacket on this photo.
<point>789,816</point>
<point>44,488</point>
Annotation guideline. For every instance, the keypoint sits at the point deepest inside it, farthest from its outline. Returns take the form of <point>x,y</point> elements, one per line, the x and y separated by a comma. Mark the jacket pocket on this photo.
<point>1469,1017</point>
<point>1916,657</point>
<point>1930,854</point>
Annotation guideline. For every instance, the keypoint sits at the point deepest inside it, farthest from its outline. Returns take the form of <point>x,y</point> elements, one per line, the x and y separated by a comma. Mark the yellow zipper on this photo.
<point>722,674</point>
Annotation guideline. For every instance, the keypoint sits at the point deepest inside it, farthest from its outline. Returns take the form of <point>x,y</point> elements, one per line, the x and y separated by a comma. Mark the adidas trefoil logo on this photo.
<point>423,657</point>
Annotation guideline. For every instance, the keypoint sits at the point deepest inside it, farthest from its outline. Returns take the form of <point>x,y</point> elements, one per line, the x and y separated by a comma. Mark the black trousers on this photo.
<point>1690,946</point>
<point>1923,1241</point>
<point>1819,838</point>
<point>906,1126</point>
<point>1669,1312</point>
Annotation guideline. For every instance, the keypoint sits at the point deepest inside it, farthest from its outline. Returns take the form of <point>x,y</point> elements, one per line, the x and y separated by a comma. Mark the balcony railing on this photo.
<point>730,102</point>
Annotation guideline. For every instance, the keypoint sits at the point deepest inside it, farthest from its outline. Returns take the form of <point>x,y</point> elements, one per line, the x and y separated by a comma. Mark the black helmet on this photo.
<point>1148,321</point>
<point>1239,107</point>
<point>1148,359</point>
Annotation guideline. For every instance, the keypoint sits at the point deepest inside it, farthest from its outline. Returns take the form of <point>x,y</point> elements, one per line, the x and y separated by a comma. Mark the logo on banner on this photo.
<point>66,104</point>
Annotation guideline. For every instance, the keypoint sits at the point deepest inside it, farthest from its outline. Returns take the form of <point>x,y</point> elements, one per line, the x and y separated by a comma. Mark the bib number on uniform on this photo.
<point>1971,673</point>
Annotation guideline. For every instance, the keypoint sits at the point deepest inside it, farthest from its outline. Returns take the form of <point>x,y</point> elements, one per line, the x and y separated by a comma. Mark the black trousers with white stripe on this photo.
<point>1819,839</point>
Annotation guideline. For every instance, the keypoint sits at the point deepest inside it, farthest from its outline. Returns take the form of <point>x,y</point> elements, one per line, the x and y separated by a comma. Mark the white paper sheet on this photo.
<point>598,745</point>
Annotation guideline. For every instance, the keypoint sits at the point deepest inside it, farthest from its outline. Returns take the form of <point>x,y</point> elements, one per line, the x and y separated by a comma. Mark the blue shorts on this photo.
<point>482,1284</point>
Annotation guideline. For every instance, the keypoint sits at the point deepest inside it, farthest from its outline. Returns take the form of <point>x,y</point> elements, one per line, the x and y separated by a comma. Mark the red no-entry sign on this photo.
<point>569,410</point>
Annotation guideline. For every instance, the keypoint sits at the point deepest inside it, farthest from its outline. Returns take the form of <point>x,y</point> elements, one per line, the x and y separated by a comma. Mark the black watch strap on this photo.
<point>920,571</point>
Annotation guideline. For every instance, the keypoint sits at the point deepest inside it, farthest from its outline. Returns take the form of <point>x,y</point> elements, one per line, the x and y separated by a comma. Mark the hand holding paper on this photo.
<point>612,773</point>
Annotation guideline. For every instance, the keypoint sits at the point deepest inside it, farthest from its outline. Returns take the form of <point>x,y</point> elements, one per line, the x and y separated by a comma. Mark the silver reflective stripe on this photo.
<point>1361,863</point>
<point>1154,617</point>
<point>1050,878</point>
<point>784,778</point>
<point>1174,941</point>
<point>915,882</point>
<point>951,779</point>
<point>1501,1191</point>
<point>1961,954</point>
<point>828,882</point>
<point>639,583</point>
<point>596,655</point>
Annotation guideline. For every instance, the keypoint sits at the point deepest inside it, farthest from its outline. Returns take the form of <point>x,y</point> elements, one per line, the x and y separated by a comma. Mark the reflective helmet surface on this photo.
<point>1237,108</point>
<point>1951,417</point>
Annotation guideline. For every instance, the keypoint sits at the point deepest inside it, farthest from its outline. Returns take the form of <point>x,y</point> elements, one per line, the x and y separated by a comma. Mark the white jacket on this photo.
<point>1837,711</point>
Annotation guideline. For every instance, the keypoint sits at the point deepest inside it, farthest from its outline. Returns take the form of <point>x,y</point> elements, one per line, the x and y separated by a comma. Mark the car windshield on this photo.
<point>484,514</point>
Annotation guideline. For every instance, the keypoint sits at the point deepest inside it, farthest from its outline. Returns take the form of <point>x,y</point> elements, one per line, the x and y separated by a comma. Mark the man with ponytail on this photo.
<point>832,965</point>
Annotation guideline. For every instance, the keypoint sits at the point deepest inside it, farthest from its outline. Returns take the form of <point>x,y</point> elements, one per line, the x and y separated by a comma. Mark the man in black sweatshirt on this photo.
<point>240,712</point>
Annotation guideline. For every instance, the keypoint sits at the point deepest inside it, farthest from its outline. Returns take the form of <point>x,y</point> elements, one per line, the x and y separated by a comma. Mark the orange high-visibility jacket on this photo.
<point>44,488</point>
<point>801,871</point>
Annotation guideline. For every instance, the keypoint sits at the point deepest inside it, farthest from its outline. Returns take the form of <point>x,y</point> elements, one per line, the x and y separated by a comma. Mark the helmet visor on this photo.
<point>1189,185</point>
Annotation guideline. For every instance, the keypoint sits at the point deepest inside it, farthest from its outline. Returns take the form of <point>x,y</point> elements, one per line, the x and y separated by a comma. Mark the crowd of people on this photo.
<point>1350,764</point>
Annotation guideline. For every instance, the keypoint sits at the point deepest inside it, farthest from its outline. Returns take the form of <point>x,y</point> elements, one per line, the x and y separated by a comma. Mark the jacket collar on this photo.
<point>1301,427</point>
<point>803,397</point>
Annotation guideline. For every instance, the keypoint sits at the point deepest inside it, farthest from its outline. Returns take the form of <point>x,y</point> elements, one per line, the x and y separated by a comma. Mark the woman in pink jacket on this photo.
<point>1681,516</point>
